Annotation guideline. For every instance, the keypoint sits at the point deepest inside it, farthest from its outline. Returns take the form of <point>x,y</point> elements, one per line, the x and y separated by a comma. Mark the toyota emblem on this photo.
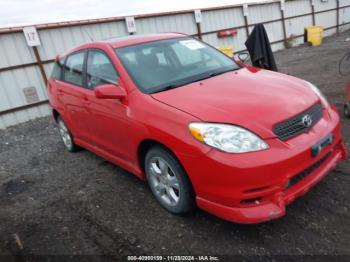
<point>307,120</point>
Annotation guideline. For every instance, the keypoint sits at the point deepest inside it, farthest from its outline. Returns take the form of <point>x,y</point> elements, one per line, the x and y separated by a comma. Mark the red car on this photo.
<point>238,142</point>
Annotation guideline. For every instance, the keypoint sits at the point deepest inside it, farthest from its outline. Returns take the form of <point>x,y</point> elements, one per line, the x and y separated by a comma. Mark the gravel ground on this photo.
<point>58,203</point>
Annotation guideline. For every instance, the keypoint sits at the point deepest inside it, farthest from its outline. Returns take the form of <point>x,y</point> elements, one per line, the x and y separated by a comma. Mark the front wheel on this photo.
<point>347,110</point>
<point>168,181</point>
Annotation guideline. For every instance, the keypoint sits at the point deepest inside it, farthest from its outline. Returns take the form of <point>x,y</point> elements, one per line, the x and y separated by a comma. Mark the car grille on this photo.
<point>308,171</point>
<point>295,126</point>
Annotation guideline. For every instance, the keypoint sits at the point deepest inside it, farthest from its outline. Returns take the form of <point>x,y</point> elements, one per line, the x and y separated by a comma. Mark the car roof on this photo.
<point>124,41</point>
<point>138,39</point>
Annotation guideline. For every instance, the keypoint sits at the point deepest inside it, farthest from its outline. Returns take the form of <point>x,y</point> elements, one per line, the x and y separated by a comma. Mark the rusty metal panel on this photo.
<point>182,23</point>
<point>344,15</point>
<point>17,83</point>
<point>296,26</point>
<point>13,82</point>
<point>261,13</point>
<point>278,46</point>
<point>327,19</point>
<point>14,50</point>
<point>12,87</point>
<point>330,32</point>
<point>344,2</point>
<point>220,19</point>
<point>57,40</point>
<point>321,6</point>
<point>24,116</point>
<point>297,7</point>
<point>48,69</point>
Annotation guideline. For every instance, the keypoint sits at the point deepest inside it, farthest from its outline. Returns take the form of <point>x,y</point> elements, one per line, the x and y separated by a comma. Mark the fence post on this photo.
<point>312,3</point>
<point>338,16</point>
<point>283,23</point>
<point>245,15</point>
<point>199,31</point>
<point>198,20</point>
<point>40,64</point>
<point>32,38</point>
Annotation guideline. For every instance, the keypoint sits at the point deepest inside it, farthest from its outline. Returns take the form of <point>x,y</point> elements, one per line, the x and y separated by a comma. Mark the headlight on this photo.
<point>319,94</point>
<point>228,138</point>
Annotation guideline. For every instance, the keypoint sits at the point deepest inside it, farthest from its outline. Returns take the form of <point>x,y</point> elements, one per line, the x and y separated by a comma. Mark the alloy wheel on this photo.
<point>65,135</point>
<point>164,181</point>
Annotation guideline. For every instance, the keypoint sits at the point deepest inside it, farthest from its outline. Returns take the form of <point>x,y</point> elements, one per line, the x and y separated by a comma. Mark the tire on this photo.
<point>66,136</point>
<point>168,181</point>
<point>347,110</point>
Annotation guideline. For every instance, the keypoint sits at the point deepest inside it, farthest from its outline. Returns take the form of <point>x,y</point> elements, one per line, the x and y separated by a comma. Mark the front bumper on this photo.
<point>256,187</point>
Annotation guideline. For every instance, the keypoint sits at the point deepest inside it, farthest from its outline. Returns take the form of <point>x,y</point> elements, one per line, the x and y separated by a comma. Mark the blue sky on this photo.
<point>24,12</point>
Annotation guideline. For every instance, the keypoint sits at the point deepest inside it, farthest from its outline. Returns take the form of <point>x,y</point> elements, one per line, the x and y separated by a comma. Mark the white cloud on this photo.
<point>23,12</point>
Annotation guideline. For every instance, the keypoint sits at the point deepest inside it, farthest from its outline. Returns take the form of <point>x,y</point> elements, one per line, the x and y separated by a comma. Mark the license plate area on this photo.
<point>317,148</point>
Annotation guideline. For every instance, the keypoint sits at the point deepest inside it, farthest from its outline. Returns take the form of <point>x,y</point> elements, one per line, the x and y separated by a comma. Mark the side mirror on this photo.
<point>243,57</point>
<point>109,91</point>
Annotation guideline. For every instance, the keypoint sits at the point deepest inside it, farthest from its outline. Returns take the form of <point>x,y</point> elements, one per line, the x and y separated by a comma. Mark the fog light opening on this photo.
<point>251,201</point>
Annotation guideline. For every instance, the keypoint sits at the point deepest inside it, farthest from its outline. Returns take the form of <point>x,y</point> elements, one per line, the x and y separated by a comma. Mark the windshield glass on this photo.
<point>166,64</point>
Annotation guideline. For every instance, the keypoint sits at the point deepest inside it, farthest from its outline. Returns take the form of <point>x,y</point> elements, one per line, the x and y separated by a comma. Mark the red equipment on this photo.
<point>227,33</point>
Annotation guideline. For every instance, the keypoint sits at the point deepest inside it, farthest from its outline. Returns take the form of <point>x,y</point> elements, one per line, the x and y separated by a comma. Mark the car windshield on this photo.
<point>166,64</point>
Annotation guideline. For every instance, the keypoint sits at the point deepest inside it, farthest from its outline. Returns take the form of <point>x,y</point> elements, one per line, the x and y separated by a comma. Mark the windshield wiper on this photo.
<point>172,86</point>
<point>214,74</point>
<point>222,72</point>
<point>168,87</point>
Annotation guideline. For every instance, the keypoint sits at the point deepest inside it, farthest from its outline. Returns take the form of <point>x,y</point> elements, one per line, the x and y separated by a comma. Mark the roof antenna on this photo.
<point>85,31</point>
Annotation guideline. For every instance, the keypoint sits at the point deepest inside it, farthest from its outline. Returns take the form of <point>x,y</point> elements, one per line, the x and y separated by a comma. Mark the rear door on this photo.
<point>71,93</point>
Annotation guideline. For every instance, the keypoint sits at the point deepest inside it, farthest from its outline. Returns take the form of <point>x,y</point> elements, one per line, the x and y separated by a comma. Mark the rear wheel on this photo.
<point>347,110</point>
<point>66,136</point>
<point>168,181</point>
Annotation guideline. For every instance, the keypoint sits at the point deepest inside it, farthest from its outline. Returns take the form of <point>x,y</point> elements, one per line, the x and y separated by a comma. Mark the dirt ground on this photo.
<point>58,203</point>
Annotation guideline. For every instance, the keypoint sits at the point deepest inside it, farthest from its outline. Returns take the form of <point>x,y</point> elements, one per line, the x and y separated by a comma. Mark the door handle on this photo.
<point>86,100</point>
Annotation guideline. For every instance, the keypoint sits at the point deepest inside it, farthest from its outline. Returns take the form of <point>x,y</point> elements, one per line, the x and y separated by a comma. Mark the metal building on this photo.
<point>24,69</point>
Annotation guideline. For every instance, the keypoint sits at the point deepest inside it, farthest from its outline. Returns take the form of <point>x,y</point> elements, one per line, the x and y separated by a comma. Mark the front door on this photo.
<point>108,119</point>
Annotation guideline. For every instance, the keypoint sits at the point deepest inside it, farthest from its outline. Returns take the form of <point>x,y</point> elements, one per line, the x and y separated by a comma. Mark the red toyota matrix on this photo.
<point>238,142</point>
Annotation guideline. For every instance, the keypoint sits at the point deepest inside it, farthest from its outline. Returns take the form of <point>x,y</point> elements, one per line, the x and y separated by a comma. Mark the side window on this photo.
<point>73,70</point>
<point>57,69</point>
<point>100,70</point>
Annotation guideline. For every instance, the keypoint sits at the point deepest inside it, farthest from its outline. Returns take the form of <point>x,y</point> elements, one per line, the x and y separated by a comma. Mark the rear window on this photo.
<point>57,69</point>
<point>73,70</point>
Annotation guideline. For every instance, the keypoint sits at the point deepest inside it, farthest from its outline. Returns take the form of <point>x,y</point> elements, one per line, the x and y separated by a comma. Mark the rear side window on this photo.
<point>100,70</point>
<point>73,70</point>
<point>57,69</point>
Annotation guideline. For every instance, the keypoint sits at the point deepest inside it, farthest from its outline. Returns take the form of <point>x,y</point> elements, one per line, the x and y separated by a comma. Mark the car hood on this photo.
<point>252,98</point>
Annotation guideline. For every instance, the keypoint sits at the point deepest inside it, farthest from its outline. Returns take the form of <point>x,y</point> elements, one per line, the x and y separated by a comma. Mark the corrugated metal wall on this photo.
<point>14,51</point>
<point>220,19</point>
<point>345,14</point>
